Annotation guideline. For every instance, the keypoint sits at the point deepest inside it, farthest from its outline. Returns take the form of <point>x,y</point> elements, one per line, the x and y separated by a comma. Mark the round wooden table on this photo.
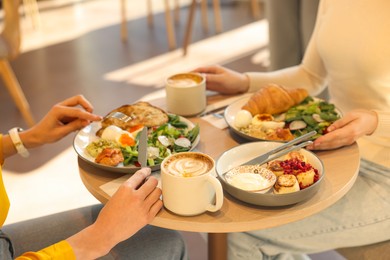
<point>341,166</point>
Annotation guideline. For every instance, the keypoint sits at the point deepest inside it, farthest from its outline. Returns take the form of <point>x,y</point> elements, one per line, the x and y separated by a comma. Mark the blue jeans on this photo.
<point>361,217</point>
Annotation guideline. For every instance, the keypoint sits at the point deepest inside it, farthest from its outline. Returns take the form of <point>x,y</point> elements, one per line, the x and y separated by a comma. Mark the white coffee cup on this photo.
<point>186,94</point>
<point>189,186</point>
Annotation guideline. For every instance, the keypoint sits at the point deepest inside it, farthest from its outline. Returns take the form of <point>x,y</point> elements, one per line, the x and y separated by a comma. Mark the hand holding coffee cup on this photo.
<point>186,94</point>
<point>188,185</point>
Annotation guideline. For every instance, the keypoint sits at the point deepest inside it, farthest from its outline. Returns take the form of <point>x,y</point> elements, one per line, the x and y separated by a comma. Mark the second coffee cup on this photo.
<point>186,94</point>
<point>188,184</point>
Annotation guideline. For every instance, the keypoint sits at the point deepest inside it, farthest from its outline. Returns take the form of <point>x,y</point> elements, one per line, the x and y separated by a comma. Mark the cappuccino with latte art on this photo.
<point>189,186</point>
<point>188,165</point>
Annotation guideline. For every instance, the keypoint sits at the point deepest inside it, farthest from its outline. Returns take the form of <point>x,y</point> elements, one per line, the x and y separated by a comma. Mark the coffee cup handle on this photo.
<point>218,194</point>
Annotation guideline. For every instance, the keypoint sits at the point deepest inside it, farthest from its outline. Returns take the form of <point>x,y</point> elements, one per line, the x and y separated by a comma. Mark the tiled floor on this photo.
<point>77,49</point>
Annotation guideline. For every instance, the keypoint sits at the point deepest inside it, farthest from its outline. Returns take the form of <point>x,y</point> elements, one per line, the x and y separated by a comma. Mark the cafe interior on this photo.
<point>115,52</point>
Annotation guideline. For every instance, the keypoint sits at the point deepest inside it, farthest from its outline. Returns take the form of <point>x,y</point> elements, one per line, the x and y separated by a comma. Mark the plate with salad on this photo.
<point>311,114</point>
<point>177,135</point>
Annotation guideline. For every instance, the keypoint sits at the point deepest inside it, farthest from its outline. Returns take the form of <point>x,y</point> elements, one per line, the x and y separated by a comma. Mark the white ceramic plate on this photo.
<point>88,134</point>
<point>245,152</point>
<point>230,113</point>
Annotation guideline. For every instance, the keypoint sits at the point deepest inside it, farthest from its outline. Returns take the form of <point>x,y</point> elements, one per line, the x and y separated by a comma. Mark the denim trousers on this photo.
<point>360,217</point>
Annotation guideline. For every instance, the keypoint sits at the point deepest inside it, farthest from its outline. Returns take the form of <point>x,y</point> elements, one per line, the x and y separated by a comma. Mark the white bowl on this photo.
<point>245,152</point>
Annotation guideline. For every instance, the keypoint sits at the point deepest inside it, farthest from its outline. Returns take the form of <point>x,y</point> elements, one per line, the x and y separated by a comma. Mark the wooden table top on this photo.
<point>341,166</point>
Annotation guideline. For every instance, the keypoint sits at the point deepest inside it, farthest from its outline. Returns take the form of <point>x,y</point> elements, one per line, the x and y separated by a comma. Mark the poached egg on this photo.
<point>118,135</point>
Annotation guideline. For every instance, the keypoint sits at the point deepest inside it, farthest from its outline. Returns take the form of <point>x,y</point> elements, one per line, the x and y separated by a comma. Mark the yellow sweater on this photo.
<point>60,250</point>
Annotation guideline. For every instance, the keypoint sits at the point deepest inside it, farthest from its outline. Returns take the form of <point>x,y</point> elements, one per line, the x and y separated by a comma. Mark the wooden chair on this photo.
<point>217,18</point>
<point>190,20</point>
<point>9,48</point>
<point>168,21</point>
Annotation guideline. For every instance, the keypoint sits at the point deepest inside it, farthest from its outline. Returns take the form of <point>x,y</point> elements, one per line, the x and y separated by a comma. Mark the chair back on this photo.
<point>10,36</point>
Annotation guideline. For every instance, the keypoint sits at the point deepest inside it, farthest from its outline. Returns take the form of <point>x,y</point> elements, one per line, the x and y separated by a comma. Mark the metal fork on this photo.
<point>283,149</point>
<point>295,144</point>
<point>119,115</point>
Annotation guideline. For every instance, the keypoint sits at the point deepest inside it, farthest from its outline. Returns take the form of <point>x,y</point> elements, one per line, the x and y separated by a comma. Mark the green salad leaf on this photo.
<point>161,141</point>
<point>317,114</point>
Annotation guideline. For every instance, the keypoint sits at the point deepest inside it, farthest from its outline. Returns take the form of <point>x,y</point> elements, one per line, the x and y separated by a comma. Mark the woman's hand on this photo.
<point>223,80</point>
<point>63,118</point>
<point>347,130</point>
<point>135,204</point>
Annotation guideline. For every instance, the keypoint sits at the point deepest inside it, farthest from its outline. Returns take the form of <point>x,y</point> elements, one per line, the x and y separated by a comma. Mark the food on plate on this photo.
<point>96,147</point>
<point>295,155</point>
<point>117,146</point>
<point>274,99</point>
<point>306,178</point>
<point>267,121</point>
<point>286,184</point>
<point>310,114</point>
<point>261,132</point>
<point>116,134</point>
<point>141,113</point>
<point>294,164</point>
<point>275,167</point>
<point>110,157</point>
<point>243,118</point>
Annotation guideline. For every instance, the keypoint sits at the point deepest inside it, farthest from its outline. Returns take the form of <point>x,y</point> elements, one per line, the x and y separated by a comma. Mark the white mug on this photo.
<point>186,94</point>
<point>189,186</point>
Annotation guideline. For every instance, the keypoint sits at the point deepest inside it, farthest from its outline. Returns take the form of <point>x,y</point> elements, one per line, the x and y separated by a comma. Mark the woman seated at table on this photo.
<point>118,229</point>
<point>353,61</point>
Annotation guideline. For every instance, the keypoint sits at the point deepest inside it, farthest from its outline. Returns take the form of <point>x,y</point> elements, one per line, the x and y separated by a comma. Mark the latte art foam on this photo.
<point>184,80</point>
<point>188,166</point>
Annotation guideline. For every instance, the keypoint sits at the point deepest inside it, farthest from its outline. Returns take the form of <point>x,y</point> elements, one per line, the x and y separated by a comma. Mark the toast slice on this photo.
<point>142,113</point>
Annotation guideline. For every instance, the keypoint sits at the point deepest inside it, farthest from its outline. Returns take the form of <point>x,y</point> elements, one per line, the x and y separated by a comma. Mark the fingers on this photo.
<point>77,100</point>
<point>156,207</point>
<point>147,190</point>
<point>332,140</point>
<point>67,114</point>
<point>208,69</point>
<point>213,82</point>
<point>138,178</point>
<point>339,123</point>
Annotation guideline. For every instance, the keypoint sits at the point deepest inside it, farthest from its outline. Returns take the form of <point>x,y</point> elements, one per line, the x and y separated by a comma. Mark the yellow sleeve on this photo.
<point>1,150</point>
<point>59,251</point>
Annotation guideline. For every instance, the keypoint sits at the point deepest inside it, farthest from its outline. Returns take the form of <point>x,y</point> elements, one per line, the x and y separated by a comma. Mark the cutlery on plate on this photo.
<point>142,147</point>
<point>213,111</point>
<point>219,114</point>
<point>273,154</point>
<point>119,115</point>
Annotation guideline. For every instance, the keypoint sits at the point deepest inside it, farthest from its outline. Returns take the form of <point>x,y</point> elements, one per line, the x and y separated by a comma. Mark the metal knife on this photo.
<point>293,145</point>
<point>142,147</point>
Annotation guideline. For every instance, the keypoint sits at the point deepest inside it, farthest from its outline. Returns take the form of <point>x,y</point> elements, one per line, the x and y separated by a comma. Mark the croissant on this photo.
<point>274,99</point>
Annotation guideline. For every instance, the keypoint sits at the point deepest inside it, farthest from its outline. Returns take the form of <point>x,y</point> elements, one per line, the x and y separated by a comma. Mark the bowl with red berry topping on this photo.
<point>298,174</point>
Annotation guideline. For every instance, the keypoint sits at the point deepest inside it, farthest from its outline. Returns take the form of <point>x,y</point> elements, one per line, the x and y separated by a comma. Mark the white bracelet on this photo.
<point>14,134</point>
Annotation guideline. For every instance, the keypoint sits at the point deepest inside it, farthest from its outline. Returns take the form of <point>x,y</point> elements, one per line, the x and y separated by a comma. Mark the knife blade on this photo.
<point>283,149</point>
<point>290,146</point>
<point>142,147</point>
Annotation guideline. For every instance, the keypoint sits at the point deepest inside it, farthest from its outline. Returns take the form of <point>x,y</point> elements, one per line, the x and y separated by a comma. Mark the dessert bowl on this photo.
<point>245,152</point>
